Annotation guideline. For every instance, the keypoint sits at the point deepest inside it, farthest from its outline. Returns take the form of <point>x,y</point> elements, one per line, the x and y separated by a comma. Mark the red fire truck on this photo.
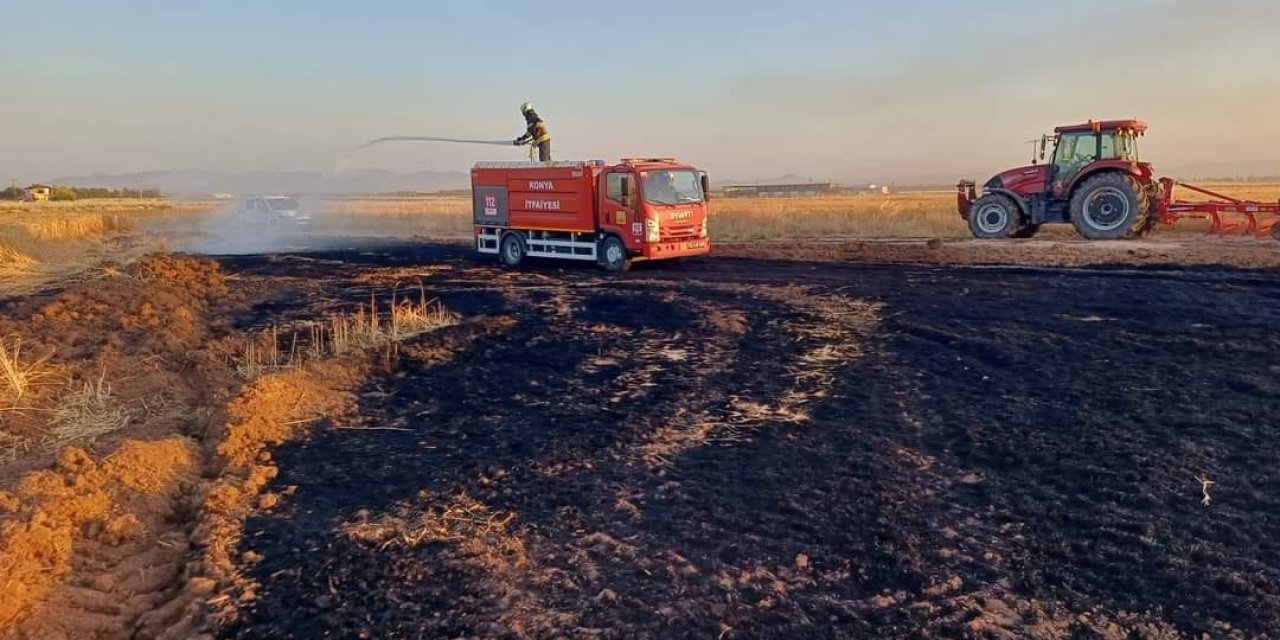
<point>638,209</point>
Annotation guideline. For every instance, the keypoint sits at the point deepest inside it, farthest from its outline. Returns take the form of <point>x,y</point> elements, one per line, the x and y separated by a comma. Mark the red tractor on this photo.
<point>1095,182</point>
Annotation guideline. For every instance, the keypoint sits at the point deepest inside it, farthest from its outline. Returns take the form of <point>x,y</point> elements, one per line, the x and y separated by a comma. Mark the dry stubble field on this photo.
<point>921,214</point>
<point>48,242</point>
<point>400,441</point>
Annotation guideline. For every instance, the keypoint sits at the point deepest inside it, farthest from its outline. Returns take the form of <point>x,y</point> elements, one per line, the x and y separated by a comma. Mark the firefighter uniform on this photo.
<point>536,133</point>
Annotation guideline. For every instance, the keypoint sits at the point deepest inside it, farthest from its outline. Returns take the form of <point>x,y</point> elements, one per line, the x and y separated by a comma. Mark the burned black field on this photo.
<point>737,448</point>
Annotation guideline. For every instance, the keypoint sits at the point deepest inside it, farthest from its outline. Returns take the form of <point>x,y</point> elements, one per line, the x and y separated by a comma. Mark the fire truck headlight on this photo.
<point>651,233</point>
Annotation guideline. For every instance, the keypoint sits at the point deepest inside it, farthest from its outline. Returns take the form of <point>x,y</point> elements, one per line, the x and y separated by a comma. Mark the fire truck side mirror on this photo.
<point>706,185</point>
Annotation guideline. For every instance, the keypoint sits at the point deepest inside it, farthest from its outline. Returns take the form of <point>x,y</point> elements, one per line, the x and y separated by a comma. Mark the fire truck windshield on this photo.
<point>680,186</point>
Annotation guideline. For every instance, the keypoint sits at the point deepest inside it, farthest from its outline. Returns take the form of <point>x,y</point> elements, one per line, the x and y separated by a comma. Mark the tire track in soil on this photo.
<point>1011,455</point>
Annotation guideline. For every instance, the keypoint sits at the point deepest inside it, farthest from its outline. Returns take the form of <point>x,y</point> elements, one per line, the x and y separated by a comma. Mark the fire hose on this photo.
<point>432,139</point>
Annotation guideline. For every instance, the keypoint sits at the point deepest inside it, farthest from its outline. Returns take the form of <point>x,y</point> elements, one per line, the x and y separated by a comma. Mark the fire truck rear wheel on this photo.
<point>1109,206</point>
<point>613,255</point>
<point>511,250</point>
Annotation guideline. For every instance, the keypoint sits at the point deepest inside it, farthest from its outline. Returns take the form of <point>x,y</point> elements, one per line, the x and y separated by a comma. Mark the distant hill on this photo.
<point>203,183</point>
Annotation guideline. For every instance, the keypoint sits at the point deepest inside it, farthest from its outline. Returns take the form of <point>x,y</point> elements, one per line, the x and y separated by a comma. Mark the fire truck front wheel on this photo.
<point>613,255</point>
<point>511,250</point>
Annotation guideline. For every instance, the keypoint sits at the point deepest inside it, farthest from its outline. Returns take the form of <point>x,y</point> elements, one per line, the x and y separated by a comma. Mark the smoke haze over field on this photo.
<point>877,90</point>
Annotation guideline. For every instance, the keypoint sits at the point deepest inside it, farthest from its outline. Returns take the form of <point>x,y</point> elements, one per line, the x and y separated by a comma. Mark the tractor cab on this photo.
<point>1016,202</point>
<point>1081,149</point>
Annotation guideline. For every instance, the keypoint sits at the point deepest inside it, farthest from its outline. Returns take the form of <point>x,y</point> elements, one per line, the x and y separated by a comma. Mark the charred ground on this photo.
<point>746,448</point>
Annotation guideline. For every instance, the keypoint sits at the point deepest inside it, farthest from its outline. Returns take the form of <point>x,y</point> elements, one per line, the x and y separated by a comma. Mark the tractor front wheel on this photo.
<point>996,215</point>
<point>1109,206</point>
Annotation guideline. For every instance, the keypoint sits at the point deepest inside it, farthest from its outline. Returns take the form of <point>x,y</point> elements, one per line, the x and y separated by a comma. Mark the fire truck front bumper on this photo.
<point>675,249</point>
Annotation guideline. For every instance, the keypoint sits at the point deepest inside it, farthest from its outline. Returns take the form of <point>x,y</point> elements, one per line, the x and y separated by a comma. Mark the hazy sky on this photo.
<point>830,89</point>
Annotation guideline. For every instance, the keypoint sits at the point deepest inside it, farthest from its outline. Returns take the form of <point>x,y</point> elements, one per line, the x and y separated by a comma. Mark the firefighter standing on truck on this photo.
<point>536,134</point>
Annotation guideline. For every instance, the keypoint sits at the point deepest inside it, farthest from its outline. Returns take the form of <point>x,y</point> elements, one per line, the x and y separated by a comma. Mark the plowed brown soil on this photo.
<point>90,545</point>
<point>127,536</point>
<point>143,330</point>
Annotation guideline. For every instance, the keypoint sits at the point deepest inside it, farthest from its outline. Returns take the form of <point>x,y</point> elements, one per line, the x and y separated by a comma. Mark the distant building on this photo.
<point>37,193</point>
<point>805,190</point>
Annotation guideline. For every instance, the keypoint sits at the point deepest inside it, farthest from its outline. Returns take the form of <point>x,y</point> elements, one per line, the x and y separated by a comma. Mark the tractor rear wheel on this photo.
<point>996,215</point>
<point>1110,206</point>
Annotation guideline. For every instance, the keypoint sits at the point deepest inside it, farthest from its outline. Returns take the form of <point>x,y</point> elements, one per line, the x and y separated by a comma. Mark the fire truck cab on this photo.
<point>638,209</point>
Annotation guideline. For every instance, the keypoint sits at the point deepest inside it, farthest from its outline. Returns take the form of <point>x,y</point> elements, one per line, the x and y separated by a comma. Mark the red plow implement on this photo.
<point>1227,215</point>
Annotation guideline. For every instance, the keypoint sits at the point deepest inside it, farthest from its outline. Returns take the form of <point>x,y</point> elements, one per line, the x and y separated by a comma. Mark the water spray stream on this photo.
<point>342,166</point>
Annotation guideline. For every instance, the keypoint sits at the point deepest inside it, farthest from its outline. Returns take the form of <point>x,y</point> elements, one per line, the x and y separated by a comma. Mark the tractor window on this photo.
<point>1119,146</point>
<point>1108,147</point>
<point>1075,150</point>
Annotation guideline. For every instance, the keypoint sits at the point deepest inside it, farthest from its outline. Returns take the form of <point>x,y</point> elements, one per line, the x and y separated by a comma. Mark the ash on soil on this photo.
<point>1000,453</point>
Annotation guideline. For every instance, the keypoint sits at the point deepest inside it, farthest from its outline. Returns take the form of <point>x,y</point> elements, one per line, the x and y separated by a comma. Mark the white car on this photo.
<point>273,209</point>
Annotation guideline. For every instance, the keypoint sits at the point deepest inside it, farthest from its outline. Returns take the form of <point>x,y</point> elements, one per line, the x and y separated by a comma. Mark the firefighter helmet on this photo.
<point>526,108</point>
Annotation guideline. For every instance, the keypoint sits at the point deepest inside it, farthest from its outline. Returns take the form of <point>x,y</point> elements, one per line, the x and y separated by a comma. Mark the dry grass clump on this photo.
<point>17,376</point>
<point>71,415</point>
<point>83,414</point>
<point>74,227</point>
<point>404,318</point>
<point>13,261</point>
<point>367,327</point>
<point>483,534</point>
